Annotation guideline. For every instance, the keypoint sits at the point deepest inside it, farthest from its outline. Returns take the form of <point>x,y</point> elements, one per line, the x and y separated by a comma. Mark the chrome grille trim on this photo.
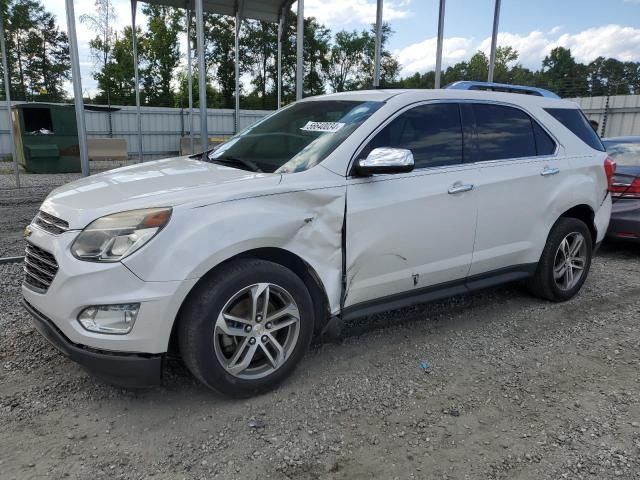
<point>31,252</point>
<point>50,224</point>
<point>40,268</point>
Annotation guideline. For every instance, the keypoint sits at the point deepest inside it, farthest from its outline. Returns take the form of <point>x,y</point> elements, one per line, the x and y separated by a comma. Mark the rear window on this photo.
<point>626,154</point>
<point>574,120</point>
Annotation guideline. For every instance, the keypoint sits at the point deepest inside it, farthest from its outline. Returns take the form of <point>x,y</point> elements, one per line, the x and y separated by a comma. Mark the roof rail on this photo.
<point>501,87</point>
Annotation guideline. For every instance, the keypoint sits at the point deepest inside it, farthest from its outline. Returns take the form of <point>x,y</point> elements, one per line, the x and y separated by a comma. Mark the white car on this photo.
<point>332,208</point>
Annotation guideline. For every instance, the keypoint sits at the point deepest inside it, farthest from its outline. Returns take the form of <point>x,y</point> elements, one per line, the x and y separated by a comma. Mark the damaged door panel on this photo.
<point>397,237</point>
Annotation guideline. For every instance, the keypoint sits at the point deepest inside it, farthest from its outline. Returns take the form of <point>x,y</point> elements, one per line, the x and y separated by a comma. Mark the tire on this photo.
<point>545,282</point>
<point>215,348</point>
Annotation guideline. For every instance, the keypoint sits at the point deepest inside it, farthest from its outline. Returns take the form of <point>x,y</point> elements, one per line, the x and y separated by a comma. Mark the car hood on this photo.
<point>161,183</point>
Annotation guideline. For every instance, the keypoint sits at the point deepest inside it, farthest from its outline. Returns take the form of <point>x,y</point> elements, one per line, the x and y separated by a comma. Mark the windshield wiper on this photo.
<point>247,164</point>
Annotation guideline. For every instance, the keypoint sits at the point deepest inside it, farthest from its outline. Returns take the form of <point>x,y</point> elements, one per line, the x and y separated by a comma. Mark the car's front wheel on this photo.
<point>565,261</point>
<point>246,327</point>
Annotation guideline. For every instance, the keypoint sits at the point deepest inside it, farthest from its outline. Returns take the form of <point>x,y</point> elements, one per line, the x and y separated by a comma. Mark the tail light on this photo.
<point>610,171</point>
<point>626,190</point>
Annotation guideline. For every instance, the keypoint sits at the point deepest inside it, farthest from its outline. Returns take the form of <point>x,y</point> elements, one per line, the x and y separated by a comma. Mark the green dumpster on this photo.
<point>46,137</point>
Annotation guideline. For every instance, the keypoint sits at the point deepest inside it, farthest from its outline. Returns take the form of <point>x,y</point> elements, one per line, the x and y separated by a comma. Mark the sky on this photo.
<point>591,28</point>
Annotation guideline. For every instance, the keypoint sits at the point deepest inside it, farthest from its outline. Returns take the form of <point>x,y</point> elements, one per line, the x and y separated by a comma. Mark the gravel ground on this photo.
<point>516,388</point>
<point>18,206</point>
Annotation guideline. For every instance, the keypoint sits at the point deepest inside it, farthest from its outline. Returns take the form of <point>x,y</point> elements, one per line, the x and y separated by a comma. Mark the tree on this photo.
<point>563,74</point>
<point>38,52</point>
<point>608,76</point>
<point>346,58</point>
<point>504,57</point>
<point>101,45</point>
<point>261,39</point>
<point>118,74</point>
<point>182,96</point>
<point>220,55</point>
<point>316,48</point>
<point>389,65</point>
<point>632,76</point>
<point>161,53</point>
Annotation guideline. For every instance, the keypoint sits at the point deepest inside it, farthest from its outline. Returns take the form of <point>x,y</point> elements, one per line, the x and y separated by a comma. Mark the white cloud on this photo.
<point>421,56</point>
<point>614,41</point>
<point>348,12</point>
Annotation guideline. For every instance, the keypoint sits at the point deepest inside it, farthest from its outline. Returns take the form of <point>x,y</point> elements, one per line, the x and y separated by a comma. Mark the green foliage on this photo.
<point>182,95</point>
<point>102,44</point>
<point>39,65</point>
<point>117,76</point>
<point>260,50</point>
<point>560,73</point>
<point>161,54</point>
<point>220,55</point>
<point>37,51</point>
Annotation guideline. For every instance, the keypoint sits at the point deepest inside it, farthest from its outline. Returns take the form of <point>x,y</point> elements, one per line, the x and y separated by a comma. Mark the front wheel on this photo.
<point>565,261</point>
<point>246,327</point>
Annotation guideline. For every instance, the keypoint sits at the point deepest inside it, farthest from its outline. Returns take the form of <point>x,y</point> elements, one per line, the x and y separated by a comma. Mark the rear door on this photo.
<point>521,173</point>
<point>406,232</point>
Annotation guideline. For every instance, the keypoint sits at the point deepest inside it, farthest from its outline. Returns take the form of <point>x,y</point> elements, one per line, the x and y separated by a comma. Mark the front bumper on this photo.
<point>78,284</point>
<point>123,369</point>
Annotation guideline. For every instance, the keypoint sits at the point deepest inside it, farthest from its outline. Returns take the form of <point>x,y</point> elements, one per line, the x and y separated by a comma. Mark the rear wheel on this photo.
<point>246,327</point>
<point>565,261</point>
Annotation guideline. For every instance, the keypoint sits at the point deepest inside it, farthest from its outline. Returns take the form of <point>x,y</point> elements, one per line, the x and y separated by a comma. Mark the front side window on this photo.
<point>503,132</point>
<point>295,138</point>
<point>432,132</point>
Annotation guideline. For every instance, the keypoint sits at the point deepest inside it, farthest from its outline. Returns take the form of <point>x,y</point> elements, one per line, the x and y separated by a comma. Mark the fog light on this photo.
<point>110,319</point>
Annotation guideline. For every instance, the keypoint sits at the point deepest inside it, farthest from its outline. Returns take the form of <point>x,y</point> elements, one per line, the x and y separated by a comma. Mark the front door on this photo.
<point>412,231</point>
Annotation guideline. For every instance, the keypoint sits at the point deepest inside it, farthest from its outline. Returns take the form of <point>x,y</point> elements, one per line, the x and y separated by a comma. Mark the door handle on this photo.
<point>549,171</point>
<point>460,187</point>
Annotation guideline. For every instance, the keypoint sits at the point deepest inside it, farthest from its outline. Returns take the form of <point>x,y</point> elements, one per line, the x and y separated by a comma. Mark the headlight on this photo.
<point>111,238</point>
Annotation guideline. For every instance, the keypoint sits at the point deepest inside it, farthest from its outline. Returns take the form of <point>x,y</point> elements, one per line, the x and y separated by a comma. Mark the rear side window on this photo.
<point>432,132</point>
<point>503,132</point>
<point>574,120</point>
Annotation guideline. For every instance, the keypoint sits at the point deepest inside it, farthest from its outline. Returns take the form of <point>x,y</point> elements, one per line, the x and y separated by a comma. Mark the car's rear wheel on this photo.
<point>246,327</point>
<point>565,261</point>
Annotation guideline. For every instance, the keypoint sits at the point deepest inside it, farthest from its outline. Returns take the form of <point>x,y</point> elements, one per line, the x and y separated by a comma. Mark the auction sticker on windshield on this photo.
<point>329,127</point>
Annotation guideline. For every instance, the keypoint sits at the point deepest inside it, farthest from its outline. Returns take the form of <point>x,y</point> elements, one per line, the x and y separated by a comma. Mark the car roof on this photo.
<point>415,95</point>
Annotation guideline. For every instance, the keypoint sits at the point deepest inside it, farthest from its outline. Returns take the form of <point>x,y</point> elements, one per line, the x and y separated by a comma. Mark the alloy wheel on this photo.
<point>570,261</point>
<point>256,331</point>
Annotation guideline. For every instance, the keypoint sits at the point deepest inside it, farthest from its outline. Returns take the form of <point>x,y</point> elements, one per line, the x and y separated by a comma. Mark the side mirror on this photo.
<point>385,160</point>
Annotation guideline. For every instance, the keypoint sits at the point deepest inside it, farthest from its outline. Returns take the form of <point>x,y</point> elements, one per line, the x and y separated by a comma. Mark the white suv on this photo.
<point>332,208</point>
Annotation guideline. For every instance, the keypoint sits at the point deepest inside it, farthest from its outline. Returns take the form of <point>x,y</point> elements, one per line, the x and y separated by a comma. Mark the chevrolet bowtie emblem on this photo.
<point>27,232</point>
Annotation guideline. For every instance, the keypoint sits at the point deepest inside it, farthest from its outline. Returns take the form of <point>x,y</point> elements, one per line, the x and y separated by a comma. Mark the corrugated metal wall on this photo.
<point>621,116</point>
<point>161,127</point>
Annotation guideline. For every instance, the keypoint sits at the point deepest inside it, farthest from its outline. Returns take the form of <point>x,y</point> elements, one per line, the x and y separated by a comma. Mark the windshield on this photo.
<point>295,138</point>
<point>626,154</point>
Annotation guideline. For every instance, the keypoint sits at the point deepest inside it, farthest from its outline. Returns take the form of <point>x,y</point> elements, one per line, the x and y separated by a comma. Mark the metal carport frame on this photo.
<point>265,10</point>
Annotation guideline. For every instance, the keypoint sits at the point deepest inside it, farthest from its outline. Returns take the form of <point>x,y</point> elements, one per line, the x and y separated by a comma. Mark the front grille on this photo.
<point>51,224</point>
<point>40,267</point>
